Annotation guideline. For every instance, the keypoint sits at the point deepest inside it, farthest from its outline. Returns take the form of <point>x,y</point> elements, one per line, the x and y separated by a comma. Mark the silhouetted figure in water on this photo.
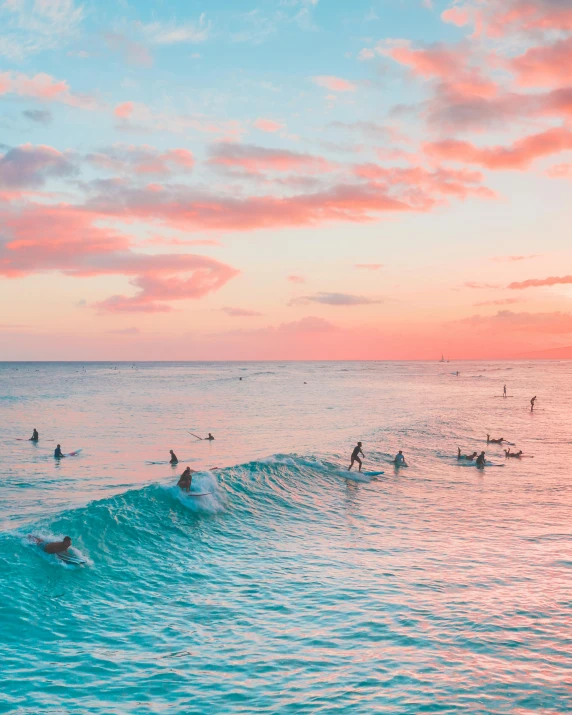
<point>173,459</point>
<point>35,436</point>
<point>355,458</point>
<point>470,457</point>
<point>185,479</point>
<point>58,452</point>
<point>516,455</point>
<point>399,460</point>
<point>504,391</point>
<point>481,460</point>
<point>532,403</point>
<point>500,440</point>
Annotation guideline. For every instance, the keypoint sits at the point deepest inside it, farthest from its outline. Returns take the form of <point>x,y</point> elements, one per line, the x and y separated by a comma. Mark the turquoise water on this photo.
<point>289,589</point>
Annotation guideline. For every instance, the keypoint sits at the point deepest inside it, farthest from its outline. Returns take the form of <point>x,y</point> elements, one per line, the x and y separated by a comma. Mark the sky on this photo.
<point>285,179</point>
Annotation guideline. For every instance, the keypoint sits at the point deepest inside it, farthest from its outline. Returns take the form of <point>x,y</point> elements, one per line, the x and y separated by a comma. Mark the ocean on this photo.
<point>291,587</point>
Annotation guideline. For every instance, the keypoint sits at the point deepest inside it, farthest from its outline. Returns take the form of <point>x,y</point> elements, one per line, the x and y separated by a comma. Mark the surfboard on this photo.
<point>73,454</point>
<point>199,494</point>
<point>72,559</point>
<point>505,396</point>
<point>372,474</point>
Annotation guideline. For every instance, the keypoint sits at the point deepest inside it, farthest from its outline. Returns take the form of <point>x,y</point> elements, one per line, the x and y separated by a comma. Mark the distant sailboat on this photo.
<point>443,358</point>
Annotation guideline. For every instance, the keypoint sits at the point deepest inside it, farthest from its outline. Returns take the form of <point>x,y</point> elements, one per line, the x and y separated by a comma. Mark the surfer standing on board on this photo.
<point>185,480</point>
<point>355,458</point>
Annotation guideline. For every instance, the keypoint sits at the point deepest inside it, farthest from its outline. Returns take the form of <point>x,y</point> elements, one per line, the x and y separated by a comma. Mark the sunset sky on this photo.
<point>285,179</point>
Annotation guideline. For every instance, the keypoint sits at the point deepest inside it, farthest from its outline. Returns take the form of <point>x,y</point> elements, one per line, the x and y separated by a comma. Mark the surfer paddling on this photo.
<point>470,457</point>
<point>355,458</point>
<point>515,455</point>
<point>203,439</point>
<point>500,440</point>
<point>53,547</point>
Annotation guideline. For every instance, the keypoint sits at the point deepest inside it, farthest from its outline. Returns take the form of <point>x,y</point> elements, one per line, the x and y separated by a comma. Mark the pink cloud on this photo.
<point>560,171</point>
<point>456,15</point>
<point>73,241</point>
<point>268,125</point>
<point>517,156</point>
<point>124,110</point>
<point>544,66</point>
<point>143,160</point>
<point>42,86</point>
<point>241,313</point>
<point>255,159</point>
<point>511,259</point>
<point>506,320</point>
<point>334,84</point>
<point>434,61</point>
<point>296,279</point>
<point>368,266</point>
<point>539,282</point>
<point>29,166</point>
<point>499,302</point>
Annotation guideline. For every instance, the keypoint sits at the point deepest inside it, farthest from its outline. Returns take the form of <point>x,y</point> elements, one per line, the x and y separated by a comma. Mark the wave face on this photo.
<point>292,587</point>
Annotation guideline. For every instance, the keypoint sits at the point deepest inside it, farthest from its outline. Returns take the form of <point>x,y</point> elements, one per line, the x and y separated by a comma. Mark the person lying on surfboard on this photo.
<point>516,455</point>
<point>54,547</point>
<point>470,457</point>
<point>355,458</point>
<point>173,459</point>
<point>494,441</point>
<point>399,460</point>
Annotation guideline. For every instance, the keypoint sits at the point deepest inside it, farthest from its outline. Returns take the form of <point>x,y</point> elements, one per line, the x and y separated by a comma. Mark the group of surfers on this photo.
<point>399,459</point>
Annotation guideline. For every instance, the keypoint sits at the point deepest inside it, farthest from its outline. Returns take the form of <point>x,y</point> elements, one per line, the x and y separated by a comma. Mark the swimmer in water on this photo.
<point>481,460</point>
<point>355,457</point>
<point>495,441</point>
<point>504,391</point>
<point>470,457</point>
<point>399,460</point>
<point>173,459</point>
<point>532,403</point>
<point>58,452</point>
<point>54,547</point>
<point>35,436</point>
<point>185,479</point>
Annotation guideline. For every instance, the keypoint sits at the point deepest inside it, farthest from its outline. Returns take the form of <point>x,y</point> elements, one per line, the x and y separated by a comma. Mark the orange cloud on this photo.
<point>506,320</point>
<point>334,84</point>
<point>539,282</point>
<point>518,156</point>
<point>296,279</point>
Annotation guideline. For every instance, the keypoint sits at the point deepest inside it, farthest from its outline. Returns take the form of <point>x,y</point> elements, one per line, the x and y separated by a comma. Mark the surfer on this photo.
<point>58,452</point>
<point>173,459</point>
<point>185,479</point>
<point>35,436</point>
<point>481,460</point>
<point>532,403</point>
<point>504,391</point>
<point>495,441</point>
<point>210,437</point>
<point>355,458</point>
<point>54,547</point>
<point>470,457</point>
<point>516,455</point>
<point>399,460</point>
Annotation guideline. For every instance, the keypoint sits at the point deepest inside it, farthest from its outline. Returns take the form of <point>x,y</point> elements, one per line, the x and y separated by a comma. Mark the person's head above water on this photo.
<point>400,452</point>
<point>170,451</point>
<point>67,540</point>
<point>359,444</point>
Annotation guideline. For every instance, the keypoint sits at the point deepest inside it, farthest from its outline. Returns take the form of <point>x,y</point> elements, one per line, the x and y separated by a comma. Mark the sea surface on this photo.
<point>291,587</point>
